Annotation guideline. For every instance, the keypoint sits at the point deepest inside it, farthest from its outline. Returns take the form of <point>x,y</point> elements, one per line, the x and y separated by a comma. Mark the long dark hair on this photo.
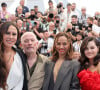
<point>3,68</point>
<point>84,61</point>
<point>69,53</point>
<point>3,74</point>
<point>96,59</point>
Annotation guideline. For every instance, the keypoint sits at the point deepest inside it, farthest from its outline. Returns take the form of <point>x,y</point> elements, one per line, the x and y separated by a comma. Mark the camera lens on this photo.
<point>68,30</point>
<point>51,15</point>
<point>35,23</point>
<point>57,21</point>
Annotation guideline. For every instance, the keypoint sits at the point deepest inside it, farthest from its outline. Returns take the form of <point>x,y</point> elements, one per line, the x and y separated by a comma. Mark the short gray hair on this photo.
<point>26,33</point>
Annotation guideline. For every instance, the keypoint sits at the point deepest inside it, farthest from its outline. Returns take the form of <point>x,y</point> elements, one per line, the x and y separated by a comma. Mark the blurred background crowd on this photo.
<point>77,24</point>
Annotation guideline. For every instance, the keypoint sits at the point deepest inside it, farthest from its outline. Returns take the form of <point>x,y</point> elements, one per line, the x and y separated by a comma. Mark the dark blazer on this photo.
<point>20,52</point>
<point>67,77</point>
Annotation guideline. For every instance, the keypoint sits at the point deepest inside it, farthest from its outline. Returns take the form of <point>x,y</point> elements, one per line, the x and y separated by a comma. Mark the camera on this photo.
<point>3,20</point>
<point>68,30</point>
<point>54,31</point>
<point>90,26</point>
<point>83,26</point>
<point>35,23</point>
<point>59,5</point>
<point>44,20</point>
<point>51,15</point>
<point>57,21</point>
<point>44,45</point>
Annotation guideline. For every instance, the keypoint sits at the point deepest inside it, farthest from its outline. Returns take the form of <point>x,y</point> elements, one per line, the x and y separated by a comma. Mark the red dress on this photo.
<point>89,80</point>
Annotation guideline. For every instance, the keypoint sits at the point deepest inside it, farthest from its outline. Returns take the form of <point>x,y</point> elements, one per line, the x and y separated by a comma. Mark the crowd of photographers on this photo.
<point>55,19</point>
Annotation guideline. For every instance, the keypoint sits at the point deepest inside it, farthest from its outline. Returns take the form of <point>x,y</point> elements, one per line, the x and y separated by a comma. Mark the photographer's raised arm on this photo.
<point>40,35</point>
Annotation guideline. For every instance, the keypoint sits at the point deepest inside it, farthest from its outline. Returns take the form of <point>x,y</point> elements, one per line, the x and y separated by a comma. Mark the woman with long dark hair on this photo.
<point>89,74</point>
<point>61,72</point>
<point>12,65</point>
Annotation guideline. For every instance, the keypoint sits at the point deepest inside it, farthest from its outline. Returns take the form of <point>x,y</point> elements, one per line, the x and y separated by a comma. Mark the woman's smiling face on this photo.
<point>91,50</point>
<point>62,45</point>
<point>10,37</point>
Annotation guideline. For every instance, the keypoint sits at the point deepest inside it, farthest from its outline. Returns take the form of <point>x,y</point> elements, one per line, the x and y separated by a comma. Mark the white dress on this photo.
<point>16,76</point>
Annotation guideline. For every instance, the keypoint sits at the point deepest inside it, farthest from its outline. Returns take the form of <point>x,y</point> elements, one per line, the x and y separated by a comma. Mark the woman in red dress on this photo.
<point>89,74</point>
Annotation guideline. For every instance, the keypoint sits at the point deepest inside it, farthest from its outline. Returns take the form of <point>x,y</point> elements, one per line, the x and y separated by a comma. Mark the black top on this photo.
<point>23,58</point>
<point>31,70</point>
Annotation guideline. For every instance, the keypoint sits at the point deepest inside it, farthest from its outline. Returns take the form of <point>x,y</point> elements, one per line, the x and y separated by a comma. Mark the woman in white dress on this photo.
<point>16,75</point>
